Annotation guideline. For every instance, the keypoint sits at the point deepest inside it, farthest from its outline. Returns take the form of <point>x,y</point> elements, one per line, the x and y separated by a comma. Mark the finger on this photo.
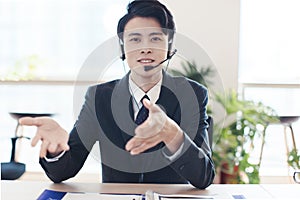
<point>30,121</point>
<point>137,150</point>
<point>147,144</point>
<point>43,150</point>
<point>35,140</point>
<point>132,143</point>
<point>52,148</point>
<point>65,147</point>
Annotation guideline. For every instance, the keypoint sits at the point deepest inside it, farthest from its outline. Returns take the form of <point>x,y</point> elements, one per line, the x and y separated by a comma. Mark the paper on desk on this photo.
<point>153,196</point>
<point>98,196</point>
<point>184,198</point>
<point>180,197</point>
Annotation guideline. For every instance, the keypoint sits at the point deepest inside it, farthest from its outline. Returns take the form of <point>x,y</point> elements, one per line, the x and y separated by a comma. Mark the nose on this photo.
<point>146,51</point>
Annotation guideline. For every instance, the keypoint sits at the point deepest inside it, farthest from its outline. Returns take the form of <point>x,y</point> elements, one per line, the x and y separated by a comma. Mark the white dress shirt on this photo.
<point>137,94</point>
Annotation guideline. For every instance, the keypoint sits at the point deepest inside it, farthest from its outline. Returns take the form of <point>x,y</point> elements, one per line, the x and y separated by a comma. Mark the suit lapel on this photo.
<point>167,98</point>
<point>127,137</point>
<point>122,106</point>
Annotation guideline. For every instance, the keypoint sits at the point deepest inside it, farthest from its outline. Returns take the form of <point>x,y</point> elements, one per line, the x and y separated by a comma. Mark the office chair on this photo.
<point>210,130</point>
<point>12,170</point>
<point>287,122</point>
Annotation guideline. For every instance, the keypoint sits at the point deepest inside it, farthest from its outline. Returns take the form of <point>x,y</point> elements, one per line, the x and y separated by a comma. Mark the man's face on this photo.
<point>144,44</point>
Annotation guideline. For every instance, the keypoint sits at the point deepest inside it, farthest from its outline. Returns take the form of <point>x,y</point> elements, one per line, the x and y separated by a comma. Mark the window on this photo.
<point>56,35</point>
<point>269,41</point>
<point>269,68</point>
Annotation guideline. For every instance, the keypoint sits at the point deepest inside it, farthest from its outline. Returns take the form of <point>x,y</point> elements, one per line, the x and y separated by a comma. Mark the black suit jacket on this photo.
<point>107,117</point>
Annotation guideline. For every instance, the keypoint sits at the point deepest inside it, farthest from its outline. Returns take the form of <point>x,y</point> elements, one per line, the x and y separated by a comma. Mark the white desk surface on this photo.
<point>32,189</point>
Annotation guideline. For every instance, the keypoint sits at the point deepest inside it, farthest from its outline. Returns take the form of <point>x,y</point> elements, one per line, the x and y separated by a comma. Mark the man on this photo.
<point>151,126</point>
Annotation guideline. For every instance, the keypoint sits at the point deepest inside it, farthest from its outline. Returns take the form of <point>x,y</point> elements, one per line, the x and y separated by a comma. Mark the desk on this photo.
<point>11,190</point>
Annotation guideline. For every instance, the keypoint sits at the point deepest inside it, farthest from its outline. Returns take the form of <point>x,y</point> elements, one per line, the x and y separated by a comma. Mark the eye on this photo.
<point>135,39</point>
<point>156,39</point>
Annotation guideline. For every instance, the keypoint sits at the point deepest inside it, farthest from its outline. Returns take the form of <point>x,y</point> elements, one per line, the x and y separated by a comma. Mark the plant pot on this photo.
<point>217,179</point>
<point>229,175</point>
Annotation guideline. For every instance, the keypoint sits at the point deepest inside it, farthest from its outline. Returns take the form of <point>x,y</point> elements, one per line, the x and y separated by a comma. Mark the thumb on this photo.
<point>152,107</point>
<point>147,103</point>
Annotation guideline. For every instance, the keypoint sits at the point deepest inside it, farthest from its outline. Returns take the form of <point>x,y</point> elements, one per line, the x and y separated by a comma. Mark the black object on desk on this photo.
<point>296,176</point>
<point>17,115</point>
<point>13,170</point>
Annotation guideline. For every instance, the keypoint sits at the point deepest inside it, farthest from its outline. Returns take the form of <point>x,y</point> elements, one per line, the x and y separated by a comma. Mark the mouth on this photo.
<point>145,61</point>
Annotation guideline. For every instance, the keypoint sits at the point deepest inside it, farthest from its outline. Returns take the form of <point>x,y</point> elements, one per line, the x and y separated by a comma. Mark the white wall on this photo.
<point>214,25</point>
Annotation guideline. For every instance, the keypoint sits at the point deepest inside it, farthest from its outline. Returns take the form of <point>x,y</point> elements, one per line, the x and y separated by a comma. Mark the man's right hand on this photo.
<point>54,138</point>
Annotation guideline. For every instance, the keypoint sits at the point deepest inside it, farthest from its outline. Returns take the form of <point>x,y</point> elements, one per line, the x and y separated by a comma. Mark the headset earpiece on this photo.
<point>169,53</point>
<point>123,57</point>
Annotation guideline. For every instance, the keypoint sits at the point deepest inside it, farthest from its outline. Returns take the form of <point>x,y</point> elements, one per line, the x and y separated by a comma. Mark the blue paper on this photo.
<point>51,195</point>
<point>238,196</point>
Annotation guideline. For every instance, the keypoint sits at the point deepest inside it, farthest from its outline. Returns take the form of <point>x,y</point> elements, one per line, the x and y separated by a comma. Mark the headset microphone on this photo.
<point>149,67</point>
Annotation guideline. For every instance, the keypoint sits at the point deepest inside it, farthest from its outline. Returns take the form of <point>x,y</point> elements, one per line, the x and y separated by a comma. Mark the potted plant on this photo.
<point>294,159</point>
<point>245,122</point>
<point>202,75</point>
<point>234,139</point>
<point>24,69</point>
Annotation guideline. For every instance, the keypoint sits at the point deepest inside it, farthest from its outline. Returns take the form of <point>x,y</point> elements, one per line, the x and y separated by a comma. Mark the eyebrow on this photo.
<point>139,34</point>
<point>134,34</point>
<point>155,33</point>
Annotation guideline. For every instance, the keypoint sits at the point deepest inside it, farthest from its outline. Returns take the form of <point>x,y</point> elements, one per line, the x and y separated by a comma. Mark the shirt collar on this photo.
<point>137,93</point>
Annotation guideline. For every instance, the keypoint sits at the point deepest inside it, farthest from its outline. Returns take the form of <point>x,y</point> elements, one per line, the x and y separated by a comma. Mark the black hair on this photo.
<point>152,9</point>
